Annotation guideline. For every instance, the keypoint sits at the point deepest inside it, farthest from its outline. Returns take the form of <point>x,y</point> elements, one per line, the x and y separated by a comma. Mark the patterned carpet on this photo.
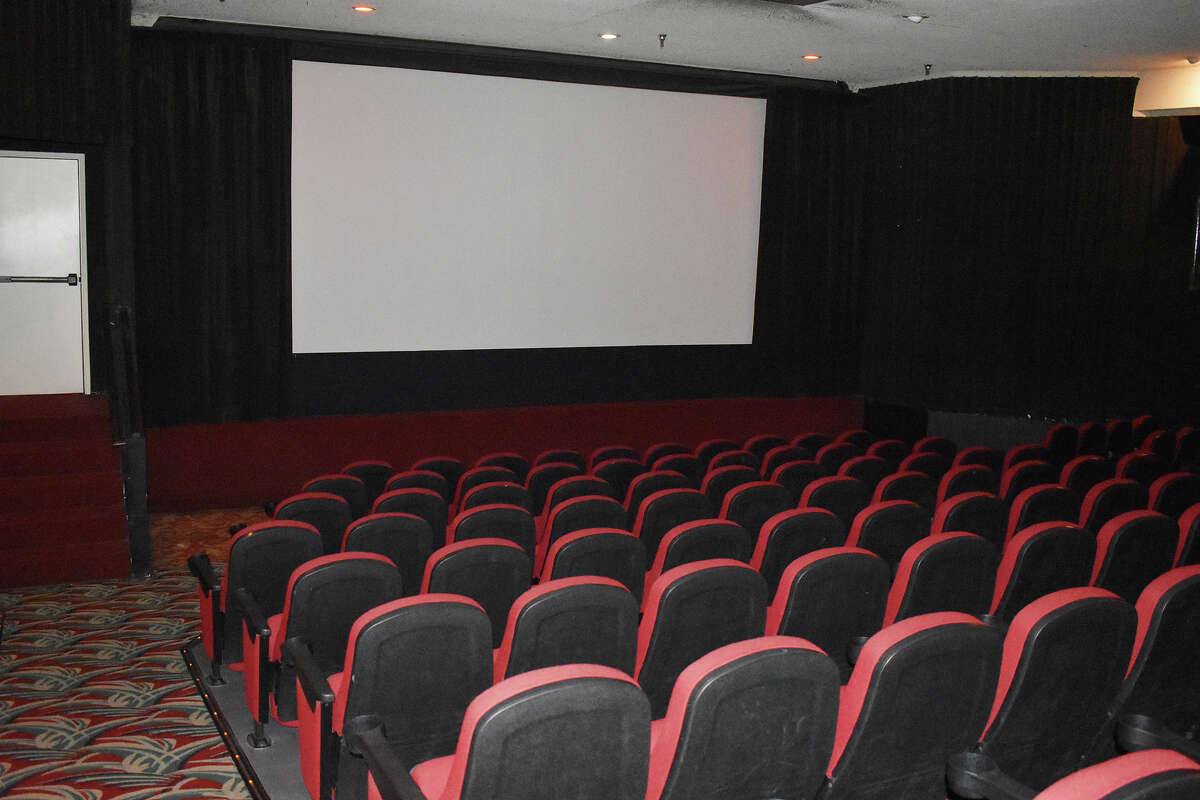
<point>95,700</point>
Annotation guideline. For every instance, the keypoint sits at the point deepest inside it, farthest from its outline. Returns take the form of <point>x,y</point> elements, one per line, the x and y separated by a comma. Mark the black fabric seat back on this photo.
<point>889,529</point>
<point>497,521</point>
<point>1145,468</point>
<point>966,478</point>
<point>515,462</point>
<point>1045,503</point>
<point>776,457</point>
<point>752,504</point>
<point>1082,473</point>
<point>945,572</point>
<point>868,469</point>
<point>719,481</point>
<point>935,465</point>
<point>581,513</point>
<point>735,458</point>
<point>707,450</point>
<point>700,540</point>
<point>791,534</point>
<point>763,443</point>
<point>1092,439</point>
<point>545,475</point>
<point>1022,475</point>
<point>1133,549</point>
<point>483,474</point>
<point>647,484</point>
<point>1110,498</point>
<point>690,611</point>
<point>1064,657</point>
<point>1041,559</point>
<point>619,472</point>
<point>577,486</point>
<point>326,512</point>
<point>347,487</point>
<point>988,457</point>
<point>609,452</point>
<point>683,463</point>
<point>980,513</point>
<point>656,451</point>
<point>562,455</point>
<point>845,497</point>
<point>893,451</point>
<point>754,719</point>
<point>1174,493</point>
<point>373,474</point>
<point>450,468</point>
<point>497,493</point>
<point>936,444</point>
<point>795,476</point>
<point>1062,442</point>
<point>662,511</point>
<point>405,539</point>
<point>833,455</point>
<point>420,479</point>
<point>492,572</point>
<point>606,552</point>
<point>916,487</point>
<point>829,597</point>
<point>424,503</point>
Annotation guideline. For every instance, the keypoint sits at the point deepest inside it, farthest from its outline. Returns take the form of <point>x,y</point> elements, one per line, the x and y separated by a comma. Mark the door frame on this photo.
<point>81,171</point>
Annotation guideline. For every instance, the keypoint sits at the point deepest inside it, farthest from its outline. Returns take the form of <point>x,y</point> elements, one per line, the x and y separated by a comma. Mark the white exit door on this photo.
<point>43,287</point>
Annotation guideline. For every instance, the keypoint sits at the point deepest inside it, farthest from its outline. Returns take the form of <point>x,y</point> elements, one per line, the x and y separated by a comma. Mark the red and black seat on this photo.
<point>812,440</point>
<point>946,572</point>
<point>347,487</point>
<point>966,478</point>
<point>609,452</point>
<point>868,469</point>
<point>373,473</point>
<point>1143,467</point>
<point>845,497</point>
<point>656,451</point>
<point>404,539</point>
<point>1118,436</point>
<point>892,451</point>
<point>420,479</point>
<point>662,511</point>
<point>1133,549</point>
<point>690,611</point>
<point>831,597</point>
<point>1174,493</point>
<point>580,731</point>
<point>795,476</point>
<point>414,663</point>
<point>920,691</point>
<point>889,529</point>
<point>477,475</point>
<point>699,540</point>
<point>492,572</point>
<point>859,437</point>
<point>763,443</point>
<point>515,462</point>
<point>561,455</point>
<point>752,504</point>
<point>619,473</point>
<point>606,552</point>
<point>582,620</point>
<point>735,458</point>
<point>935,465</point>
<point>577,486</point>
<point>776,457</point>
<point>545,475</point>
<point>1046,503</point>
<point>424,503</point>
<point>718,482</point>
<point>708,449</point>
<point>1108,499</point>
<point>833,455</point>
<point>328,513</point>
<point>790,534</point>
<point>1082,473</point>
<point>1187,552</point>
<point>1146,775</point>
<point>683,463</point>
<point>1092,439</point>
<point>1064,657</point>
<point>980,513</point>
<point>448,467</point>
<point>647,484</point>
<point>1062,443</point>
<point>1029,451</point>
<point>941,445</point>
<point>753,719</point>
<point>916,487</point>
<point>496,521</point>
<point>1022,475</point>
<point>1041,559</point>
<point>988,457</point>
<point>496,493</point>
<point>577,514</point>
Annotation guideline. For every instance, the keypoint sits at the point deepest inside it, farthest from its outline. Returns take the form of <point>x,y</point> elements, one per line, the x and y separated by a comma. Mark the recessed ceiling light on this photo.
<point>610,36</point>
<point>363,9</point>
<point>916,18</point>
<point>811,57</point>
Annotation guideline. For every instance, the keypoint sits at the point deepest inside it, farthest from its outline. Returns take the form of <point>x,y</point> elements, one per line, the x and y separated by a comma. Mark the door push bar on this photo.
<point>70,280</point>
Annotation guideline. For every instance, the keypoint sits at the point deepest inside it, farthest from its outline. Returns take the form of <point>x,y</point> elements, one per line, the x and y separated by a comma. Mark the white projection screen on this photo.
<point>444,211</point>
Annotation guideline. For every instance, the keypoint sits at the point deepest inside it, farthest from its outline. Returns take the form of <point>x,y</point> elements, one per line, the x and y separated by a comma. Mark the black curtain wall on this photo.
<point>211,131</point>
<point>1020,254</point>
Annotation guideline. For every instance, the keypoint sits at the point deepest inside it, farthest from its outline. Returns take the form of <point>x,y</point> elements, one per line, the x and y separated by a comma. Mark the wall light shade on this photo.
<point>610,36</point>
<point>363,9</point>
<point>811,57</point>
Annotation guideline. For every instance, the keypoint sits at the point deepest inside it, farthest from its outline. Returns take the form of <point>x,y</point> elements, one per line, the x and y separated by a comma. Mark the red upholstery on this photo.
<point>1012,550</point>
<point>1149,599</point>
<point>456,547</point>
<point>900,583</point>
<point>1030,451</point>
<point>1188,550</point>
<point>1103,780</point>
<point>776,610</point>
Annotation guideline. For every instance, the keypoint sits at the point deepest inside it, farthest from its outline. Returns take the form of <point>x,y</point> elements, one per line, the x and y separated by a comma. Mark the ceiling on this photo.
<point>861,42</point>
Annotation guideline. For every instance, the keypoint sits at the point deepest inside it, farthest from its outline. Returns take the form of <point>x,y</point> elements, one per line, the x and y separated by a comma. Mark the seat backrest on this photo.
<point>1142,467</point>
<point>1064,657</point>
<point>373,473</point>
<point>1092,439</point>
<point>683,463</point>
<point>656,451</point>
<point>1145,775</point>
<point>829,597</point>
<point>812,440</point>
<point>545,475</point>
<point>605,552</point>
<point>752,504</point>
<point>868,469</point>
<point>920,690</point>
<point>561,455</point>
<point>483,474</point>
<point>448,467</point>
<point>935,465</point>
<point>763,443</point>
<point>619,472</point>
<point>980,513</point>
<point>416,663</point>
<point>859,437</point>
<point>1082,473</point>
<point>988,457</point>
<point>936,444</point>
<point>888,529</point>
<point>1109,498</point>
<point>719,481</point>
<point>648,483</point>
<point>492,572</point>
<point>916,487</point>
<point>581,731</point>
<point>420,479</point>
<point>609,452</point>
<point>845,497</point>
<point>1142,426</point>
<point>1161,443</point>
<point>732,458</point>
<point>706,450</point>
<point>790,534</point>
<point>1161,679</point>
<point>1062,442</point>
<point>509,460</point>
<point>1022,475</point>
<point>261,558</point>
<point>328,513</point>
<point>589,511</point>
<point>776,457</point>
<point>967,478</point>
<point>1187,448</point>
<point>581,620</point>
<point>1029,451</point>
<point>1133,549</point>
<point>690,611</point>
<point>699,540</point>
<point>405,539</point>
<point>834,454</point>
<point>795,476</point>
<point>1187,552</point>
<point>495,521</point>
<point>750,719</point>
<point>577,486</point>
<point>1041,559</point>
<point>496,493</point>
<point>663,510</point>
<point>1045,503</point>
<point>347,487</point>
<point>892,451</point>
<point>1174,493</point>
<point>946,572</point>
<point>1118,436</point>
<point>424,503</point>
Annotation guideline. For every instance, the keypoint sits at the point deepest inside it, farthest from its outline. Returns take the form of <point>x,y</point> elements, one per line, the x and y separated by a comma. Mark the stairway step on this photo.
<point>60,529</point>
<point>85,561</point>
<point>58,457</point>
<point>70,490</point>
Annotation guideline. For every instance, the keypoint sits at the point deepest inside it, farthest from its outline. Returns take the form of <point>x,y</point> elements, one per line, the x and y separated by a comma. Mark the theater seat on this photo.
<point>1187,552</point>
<point>790,534</point>
<point>1092,439</point>
<point>1133,549</point>
<point>373,473</point>
<point>980,513</point>
<point>1041,559</point>
<point>721,480</point>
<point>609,452</point>
<point>1020,453</point>
<point>347,487</point>
<point>496,521</point>
<point>706,450</point>
<point>833,455</point>
<point>1109,498</point>
<point>845,497</point>
<point>699,540</point>
<point>328,513</point>
<point>916,487</point>
<point>656,451</point>
<point>545,475</point>
<point>966,478</point>
<point>776,457</point>
<point>496,493</point>
<point>763,443</point>
<point>752,504</point>
<point>868,469</point>
<point>420,479</point>
<point>492,572</point>
<point>683,463</point>
<point>795,476</point>
<point>946,572</point>
<point>936,444</point>
<point>619,473</point>
<point>404,539</point>
<point>577,514</point>
<point>606,552</point>
<point>735,458</point>
<point>1146,775</point>
<point>988,457</point>
<point>1082,473</point>
<point>754,719</point>
<point>1062,442</point>
<point>515,462</point>
<point>935,465</point>
<point>888,529</point>
<point>449,467</point>
<point>647,484</point>
<point>920,690</point>
<point>892,451</point>
<point>424,503</point>
<point>1174,493</point>
<point>1046,503</point>
<point>662,511</point>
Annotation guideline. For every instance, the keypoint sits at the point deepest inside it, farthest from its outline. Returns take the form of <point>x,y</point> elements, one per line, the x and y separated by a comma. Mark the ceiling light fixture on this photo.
<point>363,9</point>
<point>1194,59</point>
<point>608,37</point>
<point>916,19</point>
<point>811,57</point>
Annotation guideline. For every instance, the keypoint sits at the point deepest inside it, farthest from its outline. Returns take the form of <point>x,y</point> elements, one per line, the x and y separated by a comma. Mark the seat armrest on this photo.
<point>253,615</point>
<point>201,568</point>
<point>974,776</point>
<point>364,736</point>
<point>313,683</point>
<point>1140,732</point>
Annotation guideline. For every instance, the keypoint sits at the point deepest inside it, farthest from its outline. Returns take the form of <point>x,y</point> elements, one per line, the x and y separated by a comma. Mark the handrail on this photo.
<point>126,390</point>
<point>71,279</point>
